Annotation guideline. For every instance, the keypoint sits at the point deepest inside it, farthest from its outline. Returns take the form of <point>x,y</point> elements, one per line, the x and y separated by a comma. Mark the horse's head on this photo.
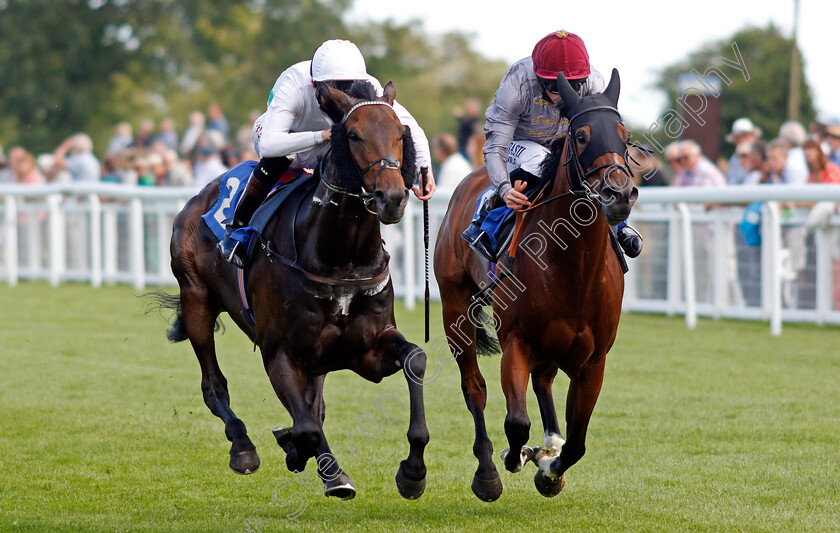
<point>372,151</point>
<point>596,147</point>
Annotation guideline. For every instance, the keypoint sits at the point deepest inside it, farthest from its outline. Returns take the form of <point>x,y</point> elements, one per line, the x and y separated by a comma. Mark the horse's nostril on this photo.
<point>379,195</point>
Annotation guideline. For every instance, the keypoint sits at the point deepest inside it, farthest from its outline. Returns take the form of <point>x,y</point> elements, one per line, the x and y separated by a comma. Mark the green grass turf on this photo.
<point>724,428</point>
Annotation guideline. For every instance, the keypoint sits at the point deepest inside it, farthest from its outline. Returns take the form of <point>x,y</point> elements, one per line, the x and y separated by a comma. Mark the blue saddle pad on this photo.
<point>231,187</point>
<point>496,220</point>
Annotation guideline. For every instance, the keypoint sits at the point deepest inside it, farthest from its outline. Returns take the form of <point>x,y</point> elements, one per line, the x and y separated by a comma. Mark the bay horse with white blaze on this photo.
<point>558,306</point>
<point>320,291</point>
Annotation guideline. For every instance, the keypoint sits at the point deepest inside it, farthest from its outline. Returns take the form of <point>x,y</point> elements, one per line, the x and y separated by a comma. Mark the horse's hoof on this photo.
<point>487,490</point>
<point>547,486</point>
<point>283,436</point>
<point>409,489</point>
<point>527,454</point>
<point>246,462</point>
<point>340,488</point>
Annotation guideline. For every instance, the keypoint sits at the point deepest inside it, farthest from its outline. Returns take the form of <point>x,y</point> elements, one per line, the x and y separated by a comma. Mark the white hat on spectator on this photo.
<point>742,125</point>
<point>793,132</point>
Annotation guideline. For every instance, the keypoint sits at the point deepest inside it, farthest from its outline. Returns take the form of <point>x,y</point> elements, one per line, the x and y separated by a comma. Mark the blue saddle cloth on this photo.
<point>231,187</point>
<point>496,220</point>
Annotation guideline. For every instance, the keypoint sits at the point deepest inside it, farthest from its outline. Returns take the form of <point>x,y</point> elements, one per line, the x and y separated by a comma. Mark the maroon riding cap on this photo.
<point>561,52</point>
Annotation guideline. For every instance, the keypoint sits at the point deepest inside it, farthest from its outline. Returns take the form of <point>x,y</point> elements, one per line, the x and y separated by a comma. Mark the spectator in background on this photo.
<point>5,171</point>
<point>467,119</point>
<point>832,139</point>
<point>751,158</point>
<point>145,134</point>
<point>820,170</point>
<point>245,134</point>
<point>796,168</point>
<point>208,165</point>
<point>453,165</point>
<point>76,156</point>
<point>167,136</point>
<point>25,171</point>
<point>216,120</point>
<point>178,171</point>
<point>743,132</point>
<point>46,164</point>
<point>121,139</point>
<point>777,156</point>
<point>475,149</point>
<point>647,169</point>
<point>191,136</point>
<point>697,169</point>
<point>673,153</point>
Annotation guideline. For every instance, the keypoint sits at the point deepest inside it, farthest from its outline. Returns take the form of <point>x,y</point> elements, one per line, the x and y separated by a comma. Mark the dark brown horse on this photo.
<point>320,291</point>
<point>559,306</point>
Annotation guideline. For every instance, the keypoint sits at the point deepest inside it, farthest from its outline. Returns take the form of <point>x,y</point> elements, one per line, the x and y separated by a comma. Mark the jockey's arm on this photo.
<point>277,139</point>
<point>503,116</point>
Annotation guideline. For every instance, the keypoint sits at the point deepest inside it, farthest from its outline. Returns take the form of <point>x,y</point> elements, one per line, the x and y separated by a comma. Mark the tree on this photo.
<point>764,97</point>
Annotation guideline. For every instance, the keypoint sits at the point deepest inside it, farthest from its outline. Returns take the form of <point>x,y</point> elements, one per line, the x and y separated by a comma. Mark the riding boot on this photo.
<point>629,239</point>
<point>261,181</point>
<point>477,237</point>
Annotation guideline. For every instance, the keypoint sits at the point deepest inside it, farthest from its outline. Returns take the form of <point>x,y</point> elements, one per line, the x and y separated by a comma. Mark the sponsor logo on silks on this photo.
<point>270,97</point>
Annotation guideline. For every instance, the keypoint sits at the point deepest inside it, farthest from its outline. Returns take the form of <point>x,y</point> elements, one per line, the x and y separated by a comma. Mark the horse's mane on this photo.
<point>548,168</point>
<point>362,90</point>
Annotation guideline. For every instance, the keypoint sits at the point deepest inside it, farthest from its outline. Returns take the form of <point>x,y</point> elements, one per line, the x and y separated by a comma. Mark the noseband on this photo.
<point>386,162</point>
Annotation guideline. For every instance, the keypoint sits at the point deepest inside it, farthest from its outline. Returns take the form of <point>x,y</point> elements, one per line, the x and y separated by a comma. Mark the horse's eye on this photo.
<point>580,137</point>
<point>353,136</point>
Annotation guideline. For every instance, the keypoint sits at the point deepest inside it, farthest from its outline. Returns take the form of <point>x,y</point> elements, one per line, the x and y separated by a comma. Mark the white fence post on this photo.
<point>11,240</point>
<point>57,235</point>
<point>135,240</point>
<point>95,240</point>
<point>774,238</point>
<point>675,283</point>
<point>825,290</point>
<point>688,268</point>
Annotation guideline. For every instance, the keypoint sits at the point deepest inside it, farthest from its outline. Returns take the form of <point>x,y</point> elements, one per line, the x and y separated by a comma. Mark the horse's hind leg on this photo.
<point>584,388</point>
<point>460,333</point>
<point>199,318</point>
<point>516,367</point>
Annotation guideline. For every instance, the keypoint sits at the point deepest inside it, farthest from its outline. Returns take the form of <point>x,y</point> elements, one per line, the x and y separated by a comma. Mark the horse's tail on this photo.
<point>486,343</point>
<point>158,301</point>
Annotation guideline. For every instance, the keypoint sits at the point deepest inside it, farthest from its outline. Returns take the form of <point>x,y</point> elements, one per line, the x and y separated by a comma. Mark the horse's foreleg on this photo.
<point>542,379</point>
<point>392,353</point>
<point>516,367</point>
<point>290,385</point>
<point>199,320</point>
<point>584,388</point>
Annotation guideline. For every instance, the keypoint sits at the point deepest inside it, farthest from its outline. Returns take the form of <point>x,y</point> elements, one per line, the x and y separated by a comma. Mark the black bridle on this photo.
<point>579,184</point>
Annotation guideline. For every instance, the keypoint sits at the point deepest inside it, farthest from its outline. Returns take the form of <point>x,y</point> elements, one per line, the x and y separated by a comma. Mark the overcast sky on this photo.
<point>638,38</point>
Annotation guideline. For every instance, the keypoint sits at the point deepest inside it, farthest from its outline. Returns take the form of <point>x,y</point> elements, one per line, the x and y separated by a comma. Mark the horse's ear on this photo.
<point>340,98</point>
<point>567,94</point>
<point>613,88</point>
<point>390,93</point>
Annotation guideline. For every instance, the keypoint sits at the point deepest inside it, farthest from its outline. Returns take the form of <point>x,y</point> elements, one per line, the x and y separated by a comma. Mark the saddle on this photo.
<point>231,187</point>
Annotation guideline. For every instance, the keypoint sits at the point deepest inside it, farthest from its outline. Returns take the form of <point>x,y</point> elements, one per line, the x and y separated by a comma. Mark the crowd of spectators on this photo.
<point>153,155</point>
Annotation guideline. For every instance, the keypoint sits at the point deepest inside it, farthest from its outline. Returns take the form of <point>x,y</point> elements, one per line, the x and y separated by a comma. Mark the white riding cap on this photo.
<point>338,60</point>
